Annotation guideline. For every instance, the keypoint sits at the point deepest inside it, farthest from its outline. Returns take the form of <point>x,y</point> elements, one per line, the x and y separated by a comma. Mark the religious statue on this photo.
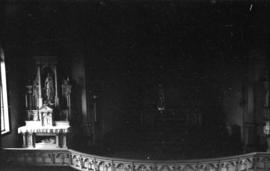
<point>35,115</point>
<point>28,97</point>
<point>35,93</point>
<point>49,89</point>
<point>161,101</point>
<point>66,90</point>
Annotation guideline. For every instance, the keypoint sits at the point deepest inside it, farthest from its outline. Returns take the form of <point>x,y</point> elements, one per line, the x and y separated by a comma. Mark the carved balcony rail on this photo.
<point>40,157</point>
<point>86,162</point>
<point>251,161</point>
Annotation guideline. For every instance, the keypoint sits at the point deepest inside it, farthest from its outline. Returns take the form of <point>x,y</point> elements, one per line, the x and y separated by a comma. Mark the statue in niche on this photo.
<point>49,89</point>
<point>28,97</point>
<point>66,91</point>
<point>35,93</point>
<point>35,115</point>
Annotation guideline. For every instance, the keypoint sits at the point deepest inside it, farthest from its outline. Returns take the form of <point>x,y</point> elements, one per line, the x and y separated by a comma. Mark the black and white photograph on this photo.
<point>135,85</point>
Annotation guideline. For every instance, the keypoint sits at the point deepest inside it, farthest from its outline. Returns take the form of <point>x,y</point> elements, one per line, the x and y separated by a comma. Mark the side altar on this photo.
<point>47,111</point>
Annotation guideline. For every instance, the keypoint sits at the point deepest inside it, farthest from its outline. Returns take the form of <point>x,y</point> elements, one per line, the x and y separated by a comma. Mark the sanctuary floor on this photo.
<point>162,145</point>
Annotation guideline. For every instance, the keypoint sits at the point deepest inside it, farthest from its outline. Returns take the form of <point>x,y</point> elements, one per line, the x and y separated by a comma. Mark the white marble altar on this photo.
<point>30,132</point>
<point>43,105</point>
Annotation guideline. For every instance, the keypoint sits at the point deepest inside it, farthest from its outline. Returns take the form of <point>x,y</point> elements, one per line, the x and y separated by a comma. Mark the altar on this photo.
<point>48,107</point>
<point>58,132</point>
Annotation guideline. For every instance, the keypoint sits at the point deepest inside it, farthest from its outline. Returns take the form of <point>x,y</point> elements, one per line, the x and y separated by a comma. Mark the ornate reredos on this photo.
<point>45,89</point>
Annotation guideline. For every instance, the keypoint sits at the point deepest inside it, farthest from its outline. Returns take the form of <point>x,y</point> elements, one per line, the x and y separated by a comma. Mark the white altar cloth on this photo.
<point>44,129</point>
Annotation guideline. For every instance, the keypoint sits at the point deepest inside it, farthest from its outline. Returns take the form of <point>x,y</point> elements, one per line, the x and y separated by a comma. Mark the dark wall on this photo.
<point>197,51</point>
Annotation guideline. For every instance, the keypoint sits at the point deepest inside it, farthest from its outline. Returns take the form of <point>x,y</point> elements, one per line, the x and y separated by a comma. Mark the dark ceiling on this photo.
<point>40,21</point>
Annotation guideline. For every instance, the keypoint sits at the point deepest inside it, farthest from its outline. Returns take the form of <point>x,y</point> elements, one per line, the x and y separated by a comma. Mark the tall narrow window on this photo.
<point>3,92</point>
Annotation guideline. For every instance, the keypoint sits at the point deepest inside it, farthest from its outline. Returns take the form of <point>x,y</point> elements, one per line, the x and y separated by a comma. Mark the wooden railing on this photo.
<point>86,162</point>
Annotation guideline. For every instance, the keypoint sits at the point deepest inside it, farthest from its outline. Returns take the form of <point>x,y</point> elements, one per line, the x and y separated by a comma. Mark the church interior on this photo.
<point>135,85</point>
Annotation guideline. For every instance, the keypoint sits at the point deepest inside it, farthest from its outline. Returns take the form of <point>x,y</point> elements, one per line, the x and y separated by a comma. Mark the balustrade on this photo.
<point>81,161</point>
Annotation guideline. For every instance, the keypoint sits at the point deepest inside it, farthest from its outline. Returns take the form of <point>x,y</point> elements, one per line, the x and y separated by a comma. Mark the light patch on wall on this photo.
<point>5,127</point>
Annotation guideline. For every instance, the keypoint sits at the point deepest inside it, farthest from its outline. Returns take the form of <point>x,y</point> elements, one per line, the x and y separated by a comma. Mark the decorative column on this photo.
<point>95,107</point>
<point>266,131</point>
<point>24,140</point>
<point>249,114</point>
<point>39,84</point>
<point>30,140</point>
<point>64,140</point>
<point>28,97</point>
<point>29,102</point>
<point>266,128</point>
<point>56,88</point>
<point>57,139</point>
<point>94,99</point>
